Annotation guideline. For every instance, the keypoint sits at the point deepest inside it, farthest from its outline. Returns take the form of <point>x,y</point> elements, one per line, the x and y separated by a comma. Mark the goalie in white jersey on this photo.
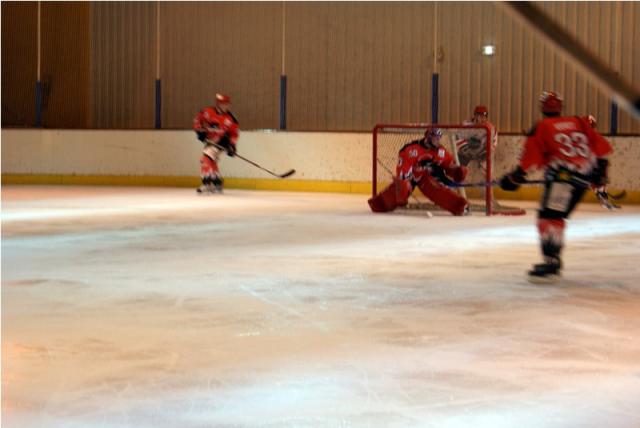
<point>471,144</point>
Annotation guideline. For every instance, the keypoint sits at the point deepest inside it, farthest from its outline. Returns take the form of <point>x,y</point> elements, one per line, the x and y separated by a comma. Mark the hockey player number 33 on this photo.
<point>575,144</point>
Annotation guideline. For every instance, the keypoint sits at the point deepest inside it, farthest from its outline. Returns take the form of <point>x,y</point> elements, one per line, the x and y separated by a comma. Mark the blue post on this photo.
<point>614,118</point>
<point>434,98</point>
<point>158,104</point>
<point>38,104</point>
<point>283,102</point>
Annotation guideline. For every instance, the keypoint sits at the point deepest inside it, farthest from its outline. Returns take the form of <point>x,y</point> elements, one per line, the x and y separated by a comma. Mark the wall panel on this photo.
<point>630,56</point>
<point>65,64</point>
<point>123,56</point>
<point>19,63</point>
<point>354,64</point>
<point>349,64</point>
<point>510,82</point>
<point>229,47</point>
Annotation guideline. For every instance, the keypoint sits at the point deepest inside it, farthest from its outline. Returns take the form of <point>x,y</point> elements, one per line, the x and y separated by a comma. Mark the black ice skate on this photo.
<point>545,273</point>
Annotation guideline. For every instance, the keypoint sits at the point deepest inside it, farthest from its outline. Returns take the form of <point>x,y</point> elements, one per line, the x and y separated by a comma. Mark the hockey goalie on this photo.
<point>425,164</point>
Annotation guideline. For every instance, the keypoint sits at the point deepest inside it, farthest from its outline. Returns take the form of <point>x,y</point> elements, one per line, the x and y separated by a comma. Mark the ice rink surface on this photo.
<point>132,307</point>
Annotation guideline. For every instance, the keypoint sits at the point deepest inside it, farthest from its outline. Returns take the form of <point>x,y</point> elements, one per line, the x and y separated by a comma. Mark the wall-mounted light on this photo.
<point>488,50</point>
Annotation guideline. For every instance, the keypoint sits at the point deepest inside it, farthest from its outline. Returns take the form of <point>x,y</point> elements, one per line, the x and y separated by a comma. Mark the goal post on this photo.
<point>471,146</point>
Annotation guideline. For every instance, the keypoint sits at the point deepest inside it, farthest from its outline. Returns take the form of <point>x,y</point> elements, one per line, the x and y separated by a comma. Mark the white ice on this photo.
<point>133,307</point>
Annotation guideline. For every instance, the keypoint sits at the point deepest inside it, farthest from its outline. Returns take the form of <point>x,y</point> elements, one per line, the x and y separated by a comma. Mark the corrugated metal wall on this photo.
<point>230,47</point>
<point>19,62</point>
<point>628,44</point>
<point>511,81</point>
<point>65,64</point>
<point>349,64</point>
<point>123,52</point>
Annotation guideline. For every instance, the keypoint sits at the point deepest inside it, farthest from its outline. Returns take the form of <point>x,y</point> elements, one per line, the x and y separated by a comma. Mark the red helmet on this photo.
<point>481,110</point>
<point>550,103</point>
<point>223,99</point>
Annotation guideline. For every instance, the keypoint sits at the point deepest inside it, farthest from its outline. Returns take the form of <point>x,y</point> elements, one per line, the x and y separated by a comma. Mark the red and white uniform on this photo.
<point>219,128</point>
<point>414,160</point>
<point>420,165</point>
<point>216,124</point>
<point>564,143</point>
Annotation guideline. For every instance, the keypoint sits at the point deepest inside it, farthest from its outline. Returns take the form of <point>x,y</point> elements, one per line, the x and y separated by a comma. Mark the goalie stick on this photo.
<point>284,175</point>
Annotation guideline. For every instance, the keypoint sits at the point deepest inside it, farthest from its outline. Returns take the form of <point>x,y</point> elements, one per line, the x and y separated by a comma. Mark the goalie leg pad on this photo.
<point>443,196</point>
<point>395,195</point>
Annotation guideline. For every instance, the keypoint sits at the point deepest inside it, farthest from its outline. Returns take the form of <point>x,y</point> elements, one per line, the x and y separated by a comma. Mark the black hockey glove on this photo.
<point>227,146</point>
<point>439,174</point>
<point>512,180</point>
<point>599,176</point>
<point>202,135</point>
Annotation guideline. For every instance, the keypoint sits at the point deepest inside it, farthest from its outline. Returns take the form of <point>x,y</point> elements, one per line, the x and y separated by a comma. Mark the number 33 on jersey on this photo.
<point>567,142</point>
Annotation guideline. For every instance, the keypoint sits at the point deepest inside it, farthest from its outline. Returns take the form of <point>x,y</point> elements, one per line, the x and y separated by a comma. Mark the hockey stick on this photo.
<point>605,198</point>
<point>285,175</point>
<point>618,196</point>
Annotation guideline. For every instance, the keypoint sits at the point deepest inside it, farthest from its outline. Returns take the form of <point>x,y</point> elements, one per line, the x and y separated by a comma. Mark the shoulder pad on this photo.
<point>411,143</point>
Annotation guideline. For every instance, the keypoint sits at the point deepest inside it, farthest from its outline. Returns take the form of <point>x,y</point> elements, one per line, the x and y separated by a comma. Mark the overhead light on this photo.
<point>488,50</point>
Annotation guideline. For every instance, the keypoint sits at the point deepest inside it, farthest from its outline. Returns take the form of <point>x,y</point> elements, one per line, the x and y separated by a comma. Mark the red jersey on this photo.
<point>563,142</point>
<point>216,124</point>
<point>414,160</point>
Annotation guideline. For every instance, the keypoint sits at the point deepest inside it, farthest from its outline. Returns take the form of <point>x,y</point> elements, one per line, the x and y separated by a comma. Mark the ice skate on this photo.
<point>544,273</point>
<point>206,189</point>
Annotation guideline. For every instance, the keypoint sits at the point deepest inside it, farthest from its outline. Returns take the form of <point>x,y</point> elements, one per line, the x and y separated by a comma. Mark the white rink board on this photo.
<point>329,156</point>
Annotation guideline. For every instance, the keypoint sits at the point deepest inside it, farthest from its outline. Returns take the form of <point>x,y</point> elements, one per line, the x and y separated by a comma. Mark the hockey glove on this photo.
<point>202,136</point>
<point>458,173</point>
<point>512,181</point>
<point>439,174</point>
<point>226,144</point>
<point>599,176</point>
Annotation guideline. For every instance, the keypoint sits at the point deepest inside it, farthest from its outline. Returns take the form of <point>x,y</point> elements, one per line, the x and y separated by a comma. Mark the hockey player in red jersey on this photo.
<point>217,129</point>
<point>573,157</point>
<point>429,166</point>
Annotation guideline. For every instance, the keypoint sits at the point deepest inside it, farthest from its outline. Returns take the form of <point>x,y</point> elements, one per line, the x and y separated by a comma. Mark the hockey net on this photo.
<point>470,145</point>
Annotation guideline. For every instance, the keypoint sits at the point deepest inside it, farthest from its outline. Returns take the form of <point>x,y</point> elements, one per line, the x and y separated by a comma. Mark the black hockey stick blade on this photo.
<point>287,174</point>
<point>618,196</point>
